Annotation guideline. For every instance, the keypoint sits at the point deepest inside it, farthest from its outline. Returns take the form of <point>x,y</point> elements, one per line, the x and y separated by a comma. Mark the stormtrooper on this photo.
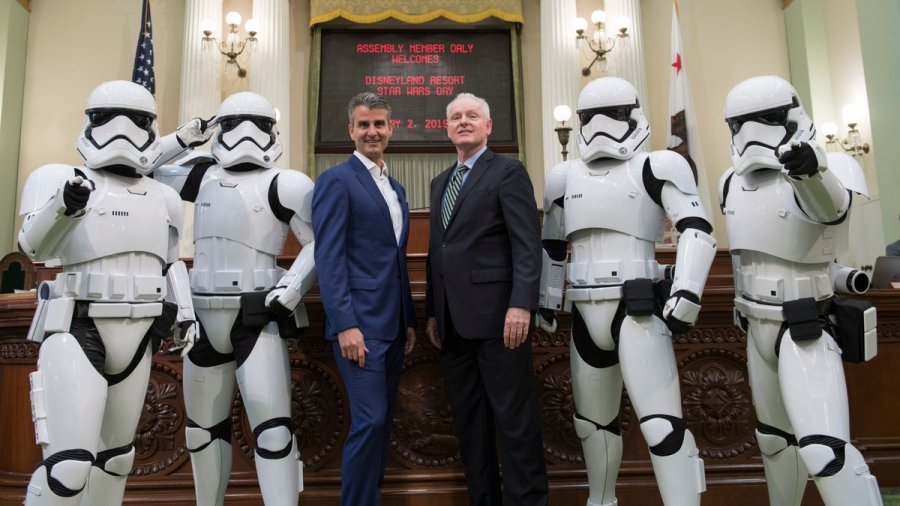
<point>244,207</point>
<point>782,185</point>
<point>115,234</point>
<point>610,207</point>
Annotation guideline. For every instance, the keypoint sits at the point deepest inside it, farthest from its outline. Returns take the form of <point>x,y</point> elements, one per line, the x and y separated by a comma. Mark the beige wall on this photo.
<point>66,60</point>
<point>725,42</point>
<point>74,46</point>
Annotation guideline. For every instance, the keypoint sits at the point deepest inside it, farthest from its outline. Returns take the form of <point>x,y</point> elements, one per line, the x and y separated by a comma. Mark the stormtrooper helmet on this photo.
<point>247,132</point>
<point>764,113</point>
<point>612,121</point>
<point>120,128</point>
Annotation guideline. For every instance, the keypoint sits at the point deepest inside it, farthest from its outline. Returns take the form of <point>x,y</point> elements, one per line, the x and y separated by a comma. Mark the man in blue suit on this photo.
<point>361,224</point>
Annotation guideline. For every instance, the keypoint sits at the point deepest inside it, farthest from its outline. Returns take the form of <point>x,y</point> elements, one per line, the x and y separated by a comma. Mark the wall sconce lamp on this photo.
<point>853,143</point>
<point>233,46</point>
<point>562,113</point>
<point>599,43</point>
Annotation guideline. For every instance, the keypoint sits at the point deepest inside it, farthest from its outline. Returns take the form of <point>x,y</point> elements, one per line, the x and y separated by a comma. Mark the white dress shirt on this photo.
<point>380,175</point>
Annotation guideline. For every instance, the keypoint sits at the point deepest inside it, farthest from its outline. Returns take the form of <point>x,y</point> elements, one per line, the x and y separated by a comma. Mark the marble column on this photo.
<point>560,75</point>
<point>270,73</point>
<point>627,59</point>
<point>201,83</point>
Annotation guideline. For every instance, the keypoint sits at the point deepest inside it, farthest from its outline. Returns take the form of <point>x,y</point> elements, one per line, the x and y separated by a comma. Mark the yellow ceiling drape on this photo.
<point>415,11</point>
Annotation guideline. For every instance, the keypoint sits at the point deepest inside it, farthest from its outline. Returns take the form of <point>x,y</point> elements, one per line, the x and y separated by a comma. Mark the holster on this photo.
<point>254,312</point>
<point>802,318</point>
<point>639,297</point>
<point>855,326</point>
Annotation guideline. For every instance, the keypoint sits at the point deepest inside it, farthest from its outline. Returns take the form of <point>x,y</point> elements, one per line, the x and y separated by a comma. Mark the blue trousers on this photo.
<point>372,390</point>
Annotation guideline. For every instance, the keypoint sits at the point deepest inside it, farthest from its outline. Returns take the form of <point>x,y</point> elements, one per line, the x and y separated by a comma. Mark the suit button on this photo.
<point>443,245</point>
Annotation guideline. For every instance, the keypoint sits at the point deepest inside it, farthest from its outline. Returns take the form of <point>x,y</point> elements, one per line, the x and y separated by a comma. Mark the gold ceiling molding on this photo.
<point>26,4</point>
<point>414,11</point>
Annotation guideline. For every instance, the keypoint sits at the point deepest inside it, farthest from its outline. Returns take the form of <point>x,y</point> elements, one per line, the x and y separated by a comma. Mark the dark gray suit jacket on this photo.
<point>489,257</point>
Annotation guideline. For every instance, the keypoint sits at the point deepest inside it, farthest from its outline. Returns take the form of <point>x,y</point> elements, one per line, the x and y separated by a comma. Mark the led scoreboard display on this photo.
<point>418,72</point>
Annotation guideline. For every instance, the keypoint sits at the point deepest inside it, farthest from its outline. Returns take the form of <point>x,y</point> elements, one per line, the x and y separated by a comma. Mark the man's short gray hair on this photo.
<point>484,105</point>
<point>370,100</point>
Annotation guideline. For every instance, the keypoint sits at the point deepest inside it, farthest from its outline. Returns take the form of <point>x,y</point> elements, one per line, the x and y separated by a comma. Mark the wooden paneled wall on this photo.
<point>424,466</point>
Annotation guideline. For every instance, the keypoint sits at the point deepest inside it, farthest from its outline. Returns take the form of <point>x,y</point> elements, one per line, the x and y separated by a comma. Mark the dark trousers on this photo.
<point>491,391</point>
<point>372,391</point>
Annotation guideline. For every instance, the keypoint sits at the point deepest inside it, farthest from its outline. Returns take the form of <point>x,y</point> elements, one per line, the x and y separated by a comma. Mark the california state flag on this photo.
<point>683,136</point>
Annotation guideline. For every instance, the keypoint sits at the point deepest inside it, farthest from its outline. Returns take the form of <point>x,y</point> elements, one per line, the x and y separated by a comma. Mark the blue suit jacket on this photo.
<point>360,266</point>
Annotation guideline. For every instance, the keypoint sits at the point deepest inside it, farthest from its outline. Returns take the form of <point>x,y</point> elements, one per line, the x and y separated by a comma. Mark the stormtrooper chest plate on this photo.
<point>610,194</point>
<point>126,215</point>
<point>235,206</point>
<point>762,215</point>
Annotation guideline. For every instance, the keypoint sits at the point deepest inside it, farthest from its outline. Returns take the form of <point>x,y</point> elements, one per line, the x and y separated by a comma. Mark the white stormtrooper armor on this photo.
<point>243,210</point>
<point>610,207</point>
<point>115,233</point>
<point>786,212</point>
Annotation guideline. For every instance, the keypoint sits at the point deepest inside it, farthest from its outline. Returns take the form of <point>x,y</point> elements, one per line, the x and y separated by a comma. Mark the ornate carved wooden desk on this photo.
<point>424,467</point>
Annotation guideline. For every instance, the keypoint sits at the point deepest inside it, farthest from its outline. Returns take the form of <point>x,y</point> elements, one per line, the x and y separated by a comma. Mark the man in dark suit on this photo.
<point>484,266</point>
<point>361,224</point>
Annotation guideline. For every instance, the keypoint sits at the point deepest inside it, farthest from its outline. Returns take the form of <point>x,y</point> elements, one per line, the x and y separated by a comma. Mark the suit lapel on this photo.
<point>404,207</point>
<point>367,182</point>
<point>479,170</point>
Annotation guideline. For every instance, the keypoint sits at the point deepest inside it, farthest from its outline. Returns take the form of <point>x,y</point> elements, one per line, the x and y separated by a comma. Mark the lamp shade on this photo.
<point>850,114</point>
<point>251,26</point>
<point>830,128</point>
<point>623,22</point>
<point>562,113</point>
<point>207,25</point>
<point>580,24</point>
<point>233,18</point>
<point>598,16</point>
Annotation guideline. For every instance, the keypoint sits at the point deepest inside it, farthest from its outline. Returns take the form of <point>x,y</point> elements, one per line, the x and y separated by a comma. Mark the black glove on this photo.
<point>676,300</point>
<point>75,195</point>
<point>547,319</point>
<point>800,160</point>
<point>278,310</point>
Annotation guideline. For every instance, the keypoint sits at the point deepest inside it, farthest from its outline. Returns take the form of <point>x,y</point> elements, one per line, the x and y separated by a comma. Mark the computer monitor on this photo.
<point>887,271</point>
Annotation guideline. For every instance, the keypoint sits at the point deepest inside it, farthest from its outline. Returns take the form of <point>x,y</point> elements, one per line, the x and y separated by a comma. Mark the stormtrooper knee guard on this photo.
<point>108,475</point>
<point>602,446</point>
<point>60,479</point>
<point>785,472</point>
<point>840,472</point>
<point>210,449</point>
<point>675,458</point>
<point>278,463</point>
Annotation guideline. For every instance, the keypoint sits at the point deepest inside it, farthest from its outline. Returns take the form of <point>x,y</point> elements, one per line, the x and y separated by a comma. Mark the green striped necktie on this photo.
<point>452,193</point>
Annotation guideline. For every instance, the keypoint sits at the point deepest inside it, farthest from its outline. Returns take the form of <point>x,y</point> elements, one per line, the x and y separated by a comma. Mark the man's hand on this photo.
<point>515,327</point>
<point>546,320</point>
<point>76,195</point>
<point>799,159</point>
<point>431,332</point>
<point>353,345</point>
<point>410,340</point>
<point>195,132</point>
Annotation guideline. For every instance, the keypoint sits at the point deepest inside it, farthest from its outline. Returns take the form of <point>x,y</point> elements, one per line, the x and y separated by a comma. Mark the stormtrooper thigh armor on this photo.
<point>263,377</point>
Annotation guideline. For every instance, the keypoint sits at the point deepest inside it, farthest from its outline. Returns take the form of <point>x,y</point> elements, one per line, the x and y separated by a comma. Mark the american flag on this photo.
<point>143,54</point>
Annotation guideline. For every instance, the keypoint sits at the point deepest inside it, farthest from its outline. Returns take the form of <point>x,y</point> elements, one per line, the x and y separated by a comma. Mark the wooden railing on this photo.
<point>424,466</point>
